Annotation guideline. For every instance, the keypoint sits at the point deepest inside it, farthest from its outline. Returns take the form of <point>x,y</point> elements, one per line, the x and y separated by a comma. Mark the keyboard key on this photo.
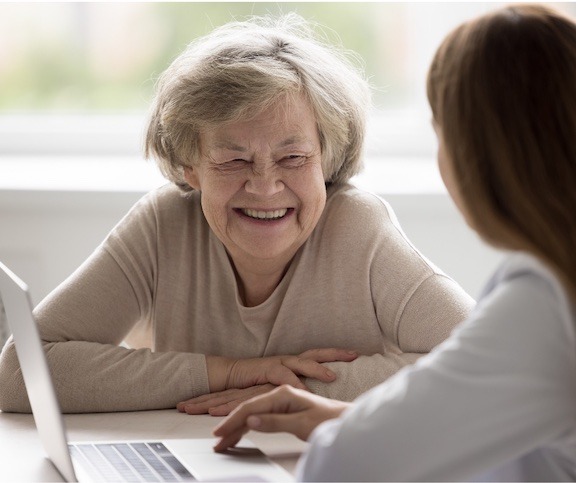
<point>116,460</point>
<point>155,462</point>
<point>136,462</point>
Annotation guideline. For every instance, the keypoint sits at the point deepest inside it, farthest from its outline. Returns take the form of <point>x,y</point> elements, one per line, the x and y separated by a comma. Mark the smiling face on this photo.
<point>262,183</point>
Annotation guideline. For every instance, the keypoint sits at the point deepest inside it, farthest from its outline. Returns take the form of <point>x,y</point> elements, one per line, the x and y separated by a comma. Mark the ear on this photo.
<point>191,177</point>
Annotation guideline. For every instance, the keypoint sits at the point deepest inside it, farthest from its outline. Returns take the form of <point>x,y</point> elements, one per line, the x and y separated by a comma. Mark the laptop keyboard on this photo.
<point>129,462</point>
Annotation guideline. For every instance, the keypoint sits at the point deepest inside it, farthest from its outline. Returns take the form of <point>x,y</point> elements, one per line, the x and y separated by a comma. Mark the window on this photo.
<point>77,78</point>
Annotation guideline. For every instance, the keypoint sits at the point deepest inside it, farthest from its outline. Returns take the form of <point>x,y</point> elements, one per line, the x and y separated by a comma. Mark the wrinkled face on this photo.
<point>262,183</point>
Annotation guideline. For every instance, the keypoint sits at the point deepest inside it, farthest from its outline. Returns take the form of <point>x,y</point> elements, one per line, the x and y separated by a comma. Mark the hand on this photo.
<point>224,373</point>
<point>222,403</point>
<point>284,409</point>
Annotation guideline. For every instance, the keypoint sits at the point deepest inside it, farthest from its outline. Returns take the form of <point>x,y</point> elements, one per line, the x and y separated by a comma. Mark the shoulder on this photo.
<point>525,300</point>
<point>366,221</point>
<point>166,197</point>
<point>523,276</point>
<point>165,202</point>
<point>164,210</point>
<point>349,200</point>
<point>359,212</point>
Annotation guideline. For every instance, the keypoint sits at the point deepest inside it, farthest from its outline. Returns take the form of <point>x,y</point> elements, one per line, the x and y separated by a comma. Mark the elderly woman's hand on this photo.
<point>222,403</point>
<point>235,380</point>
<point>284,409</point>
<point>225,373</point>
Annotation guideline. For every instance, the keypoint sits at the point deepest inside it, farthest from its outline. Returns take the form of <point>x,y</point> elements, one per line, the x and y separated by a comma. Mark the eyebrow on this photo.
<point>293,140</point>
<point>228,145</point>
<point>232,146</point>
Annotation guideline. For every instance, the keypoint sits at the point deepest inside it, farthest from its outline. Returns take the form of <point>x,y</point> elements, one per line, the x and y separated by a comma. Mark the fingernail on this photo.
<point>329,373</point>
<point>352,353</point>
<point>253,421</point>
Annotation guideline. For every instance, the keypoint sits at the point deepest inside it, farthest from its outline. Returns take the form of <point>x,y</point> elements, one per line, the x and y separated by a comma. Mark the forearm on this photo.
<point>356,377</point>
<point>91,377</point>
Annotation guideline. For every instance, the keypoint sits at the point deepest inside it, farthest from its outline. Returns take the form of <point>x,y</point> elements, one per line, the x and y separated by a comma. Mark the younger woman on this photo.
<point>497,400</point>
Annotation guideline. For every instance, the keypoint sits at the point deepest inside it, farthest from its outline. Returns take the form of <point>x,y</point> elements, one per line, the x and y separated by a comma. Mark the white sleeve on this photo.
<point>502,385</point>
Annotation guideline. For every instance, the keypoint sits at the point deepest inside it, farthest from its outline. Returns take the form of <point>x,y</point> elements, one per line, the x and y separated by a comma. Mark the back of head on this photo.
<point>242,68</point>
<point>503,90</point>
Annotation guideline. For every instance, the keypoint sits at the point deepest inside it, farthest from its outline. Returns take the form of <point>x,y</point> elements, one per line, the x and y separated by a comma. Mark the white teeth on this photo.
<point>265,215</point>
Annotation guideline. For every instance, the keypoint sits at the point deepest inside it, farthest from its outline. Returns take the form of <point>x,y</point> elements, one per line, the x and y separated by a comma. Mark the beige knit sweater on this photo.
<point>162,282</point>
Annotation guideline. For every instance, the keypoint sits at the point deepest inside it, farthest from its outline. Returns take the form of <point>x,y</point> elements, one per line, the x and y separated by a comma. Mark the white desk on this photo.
<point>22,457</point>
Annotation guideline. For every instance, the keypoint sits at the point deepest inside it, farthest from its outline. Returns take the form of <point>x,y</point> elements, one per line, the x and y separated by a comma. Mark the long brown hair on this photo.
<point>502,88</point>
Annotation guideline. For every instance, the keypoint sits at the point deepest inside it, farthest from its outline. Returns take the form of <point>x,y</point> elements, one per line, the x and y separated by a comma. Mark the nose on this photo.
<point>264,181</point>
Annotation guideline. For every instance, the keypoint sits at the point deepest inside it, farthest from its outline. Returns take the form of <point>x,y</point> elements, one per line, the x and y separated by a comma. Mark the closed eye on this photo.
<point>293,160</point>
<point>232,165</point>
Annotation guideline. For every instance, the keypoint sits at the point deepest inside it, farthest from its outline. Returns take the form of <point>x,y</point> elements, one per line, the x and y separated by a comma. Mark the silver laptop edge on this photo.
<point>45,407</point>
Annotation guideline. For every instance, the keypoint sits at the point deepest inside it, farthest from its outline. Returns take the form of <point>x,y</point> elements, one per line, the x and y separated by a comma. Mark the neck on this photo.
<point>258,280</point>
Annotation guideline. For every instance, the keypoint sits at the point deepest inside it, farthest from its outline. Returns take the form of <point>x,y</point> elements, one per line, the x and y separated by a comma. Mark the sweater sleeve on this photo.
<point>431,312</point>
<point>84,321</point>
<point>416,305</point>
<point>498,389</point>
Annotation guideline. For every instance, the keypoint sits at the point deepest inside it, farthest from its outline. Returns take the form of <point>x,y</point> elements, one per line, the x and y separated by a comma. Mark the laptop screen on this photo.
<point>41,393</point>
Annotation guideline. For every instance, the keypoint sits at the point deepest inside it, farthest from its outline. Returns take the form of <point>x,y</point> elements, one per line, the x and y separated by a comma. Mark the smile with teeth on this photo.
<point>265,215</point>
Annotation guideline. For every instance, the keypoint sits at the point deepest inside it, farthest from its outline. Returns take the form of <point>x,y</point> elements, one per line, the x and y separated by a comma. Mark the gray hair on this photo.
<point>239,70</point>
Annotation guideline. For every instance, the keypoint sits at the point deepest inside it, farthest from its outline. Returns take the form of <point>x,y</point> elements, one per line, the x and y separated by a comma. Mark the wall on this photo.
<point>45,235</point>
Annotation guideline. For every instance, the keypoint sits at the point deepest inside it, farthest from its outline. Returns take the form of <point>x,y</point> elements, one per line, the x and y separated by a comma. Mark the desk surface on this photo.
<point>22,457</point>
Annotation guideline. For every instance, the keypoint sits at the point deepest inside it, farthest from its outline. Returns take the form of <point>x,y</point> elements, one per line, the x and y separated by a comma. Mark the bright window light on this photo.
<point>77,77</point>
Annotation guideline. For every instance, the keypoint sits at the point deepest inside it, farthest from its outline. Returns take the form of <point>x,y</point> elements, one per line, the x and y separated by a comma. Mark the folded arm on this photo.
<point>433,307</point>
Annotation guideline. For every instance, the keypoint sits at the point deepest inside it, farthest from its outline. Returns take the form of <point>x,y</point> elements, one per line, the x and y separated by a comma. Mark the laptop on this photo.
<point>156,460</point>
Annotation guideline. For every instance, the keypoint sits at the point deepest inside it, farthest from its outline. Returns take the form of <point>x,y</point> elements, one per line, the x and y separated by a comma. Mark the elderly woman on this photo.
<point>259,264</point>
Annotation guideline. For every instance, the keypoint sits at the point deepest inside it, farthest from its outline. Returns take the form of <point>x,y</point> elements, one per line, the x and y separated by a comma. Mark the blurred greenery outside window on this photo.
<point>96,62</point>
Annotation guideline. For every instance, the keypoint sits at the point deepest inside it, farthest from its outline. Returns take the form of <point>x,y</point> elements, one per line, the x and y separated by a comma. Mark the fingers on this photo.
<point>225,409</point>
<point>273,402</point>
<point>329,355</point>
<point>203,407</point>
<point>309,363</point>
<point>222,403</point>
<point>282,400</point>
<point>279,410</point>
<point>299,367</point>
<point>242,396</point>
<point>230,440</point>
<point>205,402</point>
<point>288,370</point>
<point>278,370</point>
<point>266,423</point>
<point>276,423</point>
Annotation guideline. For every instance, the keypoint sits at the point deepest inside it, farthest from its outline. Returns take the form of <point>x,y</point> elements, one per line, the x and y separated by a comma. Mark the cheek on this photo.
<point>216,195</point>
<point>313,190</point>
<point>447,174</point>
<point>446,171</point>
<point>220,186</point>
<point>444,174</point>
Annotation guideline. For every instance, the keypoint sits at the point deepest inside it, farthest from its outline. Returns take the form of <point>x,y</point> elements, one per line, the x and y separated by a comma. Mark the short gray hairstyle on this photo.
<point>239,70</point>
